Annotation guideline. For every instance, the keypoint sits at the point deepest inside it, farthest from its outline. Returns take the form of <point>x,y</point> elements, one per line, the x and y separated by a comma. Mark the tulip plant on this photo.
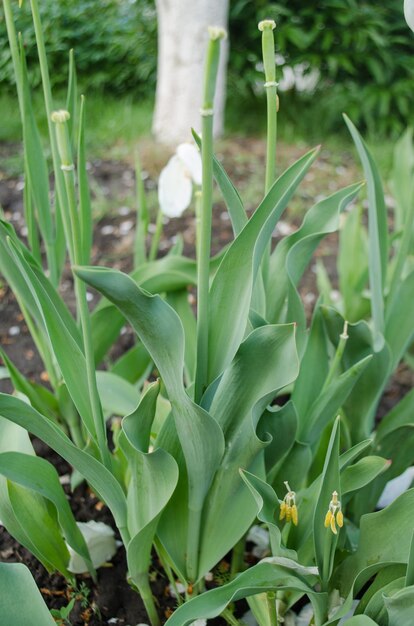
<point>253,416</point>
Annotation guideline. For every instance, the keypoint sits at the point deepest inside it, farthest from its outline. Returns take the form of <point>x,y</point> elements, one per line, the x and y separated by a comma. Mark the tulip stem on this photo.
<point>268,51</point>
<point>156,237</point>
<point>271,607</point>
<point>204,239</point>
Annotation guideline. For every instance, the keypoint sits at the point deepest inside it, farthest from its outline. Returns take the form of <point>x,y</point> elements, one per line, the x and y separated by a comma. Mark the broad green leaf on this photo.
<point>232,287</point>
<point>399,331</point>
<point>268,508</point>
<point>153,480</point>
<point>230,194</point>
<point>37,519</point>
<point>397,447</point>
<point>311,379</point>
<point>362,402</point>
<point>375,608</point>
<point>360,620</point>
<point>15,438</point>
<point>382,579</point>
<point>181,305</point>
<point>400,606</point>
<point>377,234</point>
<point>281,424</point>
<point>20,600</point>
<point>273,574</point>
<point>294,467</point>
<point>293,253</point>
<point>134,365</point>
<point>160,330</point>
<point>65,343</point>
<point>385,538</point>
<point>400,415</point>
<point>38,475</point>
<point>353,268</point>
<point>137,425</point>
<point>402,174</point>
<point>170,273</point>
<point>409,577</point>
<point>85,209</point>
<point>118,396</point>
<point>13,275</point>
<point>324,540</point>
<point>265,362</point>
<point>93,471</point>
<point>40,398</point>
<point>331,399</point>
<point>362,473</point>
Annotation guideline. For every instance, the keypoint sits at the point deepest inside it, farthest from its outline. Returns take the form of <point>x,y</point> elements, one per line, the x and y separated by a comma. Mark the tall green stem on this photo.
<point>156,237</point>
<point>72,229</point>
<point>14,50</point>
<point>47,93</point>
<point>147,598</point>
<point>268,49</point>
<point>204,247</point>
<point>271,607</point>
<point>141,228</point>
<point>337,358</point>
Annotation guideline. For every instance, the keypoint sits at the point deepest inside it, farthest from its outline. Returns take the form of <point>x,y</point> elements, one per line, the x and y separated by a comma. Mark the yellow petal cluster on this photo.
<point>334,514</point>
<point>288,508</point>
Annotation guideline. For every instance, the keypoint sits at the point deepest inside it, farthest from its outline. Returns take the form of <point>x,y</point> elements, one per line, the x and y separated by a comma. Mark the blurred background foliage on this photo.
<point>361,49</point>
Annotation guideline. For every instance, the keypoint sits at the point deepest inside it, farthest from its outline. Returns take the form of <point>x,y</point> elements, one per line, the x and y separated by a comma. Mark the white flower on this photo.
<point>191,159</point>
<point>101,543</point>
<point>409,13</point>
<point>175,185</point>
<point>395,487</point>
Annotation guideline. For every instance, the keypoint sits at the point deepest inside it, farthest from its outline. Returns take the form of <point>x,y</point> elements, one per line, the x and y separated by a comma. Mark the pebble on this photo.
<point>107,230</point>
<point>124,210</point>
<point>14,330</point>
<point>125,227</point>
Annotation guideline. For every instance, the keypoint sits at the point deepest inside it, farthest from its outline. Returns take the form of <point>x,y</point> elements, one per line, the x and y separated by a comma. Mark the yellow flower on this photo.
<point>334,514</point>
<point>288,508</point>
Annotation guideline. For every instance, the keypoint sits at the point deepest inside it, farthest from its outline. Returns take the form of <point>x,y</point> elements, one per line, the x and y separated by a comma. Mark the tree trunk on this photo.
<point>182,41</point>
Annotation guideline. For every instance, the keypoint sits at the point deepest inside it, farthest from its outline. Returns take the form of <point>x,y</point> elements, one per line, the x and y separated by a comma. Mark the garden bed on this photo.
<point>112,601</point>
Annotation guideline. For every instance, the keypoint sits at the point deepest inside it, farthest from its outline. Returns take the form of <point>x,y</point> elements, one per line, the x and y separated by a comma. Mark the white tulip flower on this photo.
<point>409,13</point>
<point>175,185</point>
<point>101,544</point>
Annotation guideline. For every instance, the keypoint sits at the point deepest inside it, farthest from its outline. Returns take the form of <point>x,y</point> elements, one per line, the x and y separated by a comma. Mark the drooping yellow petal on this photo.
<point>340,519</point>
<point>282,510</point>
<point>333,526</point>
<point>328,518</point>
<point>295,514</point>
<point>288,513</point>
